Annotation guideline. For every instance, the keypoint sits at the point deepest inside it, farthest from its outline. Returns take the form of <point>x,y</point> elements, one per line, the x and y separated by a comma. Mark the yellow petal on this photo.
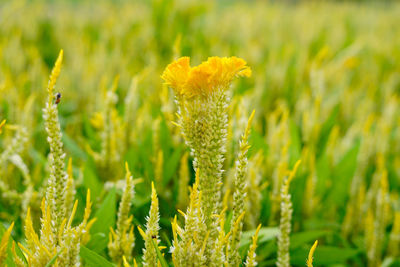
<point>176,73</point>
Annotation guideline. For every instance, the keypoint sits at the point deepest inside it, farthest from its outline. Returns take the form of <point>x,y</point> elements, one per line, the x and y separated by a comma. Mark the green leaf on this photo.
<point>37,157</point>
<point>296,240</point>
<point>342,177</point>
<point>165,138</point>
<point>257,142</point>
<point>323,173</point>
<point>166,239</point>
<point>73,147</point>
<point>91,181</point>
<point>228,220</point>
<point>171,164</point>
<point>105,214</point>
<point>92,259</point>
<point>159,255</point>
<point>295,143</point>
<point>265,234</point>
<point>327,127</point>
<point>323,255</point>
<point>140,200</point>
<point>301,238</point>
<point>132,157</point>
<point>90,133</point>
<point>53,260</point>
<point>98,242</point>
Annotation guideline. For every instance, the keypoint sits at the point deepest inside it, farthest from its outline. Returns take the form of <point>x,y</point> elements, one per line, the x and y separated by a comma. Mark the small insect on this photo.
<point>153,236</point>
<point>58,98</point>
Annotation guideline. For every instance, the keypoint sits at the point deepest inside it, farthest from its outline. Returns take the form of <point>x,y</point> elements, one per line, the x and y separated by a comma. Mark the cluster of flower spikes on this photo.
<point>202,96</point>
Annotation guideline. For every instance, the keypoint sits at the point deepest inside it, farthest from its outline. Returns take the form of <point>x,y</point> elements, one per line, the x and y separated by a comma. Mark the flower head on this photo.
<point>214,74</point>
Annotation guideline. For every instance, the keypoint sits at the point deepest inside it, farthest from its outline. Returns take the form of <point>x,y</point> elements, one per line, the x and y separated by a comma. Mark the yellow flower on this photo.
<point>1,125</point>
<point>176,74</point>
<point>310,254</point>
<point>214,74</point>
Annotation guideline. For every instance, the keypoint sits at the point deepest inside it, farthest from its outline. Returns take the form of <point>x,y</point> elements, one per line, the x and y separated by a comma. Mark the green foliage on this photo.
<point>93,259</point>
<point>105,214</point>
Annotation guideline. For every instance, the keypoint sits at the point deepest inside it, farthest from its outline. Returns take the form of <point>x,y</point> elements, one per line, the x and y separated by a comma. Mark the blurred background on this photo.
<point>325,87</point>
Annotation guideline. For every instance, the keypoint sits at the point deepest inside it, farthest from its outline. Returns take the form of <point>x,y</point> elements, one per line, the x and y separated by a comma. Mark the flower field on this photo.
<point>199,133</point>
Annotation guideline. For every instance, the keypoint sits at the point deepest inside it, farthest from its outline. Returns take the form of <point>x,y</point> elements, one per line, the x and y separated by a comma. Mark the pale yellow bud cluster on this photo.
<point>189,242</point>
<point>285,225</point>
<point>57,234</point>
<point>112,136</point>
<point>122,240</point>
<point>239,196</point>
<point>150,235</point>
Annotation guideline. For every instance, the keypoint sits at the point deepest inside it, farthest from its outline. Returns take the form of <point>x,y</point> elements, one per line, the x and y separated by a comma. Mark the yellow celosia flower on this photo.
<point>214,74</point>
<point>202,100</point>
